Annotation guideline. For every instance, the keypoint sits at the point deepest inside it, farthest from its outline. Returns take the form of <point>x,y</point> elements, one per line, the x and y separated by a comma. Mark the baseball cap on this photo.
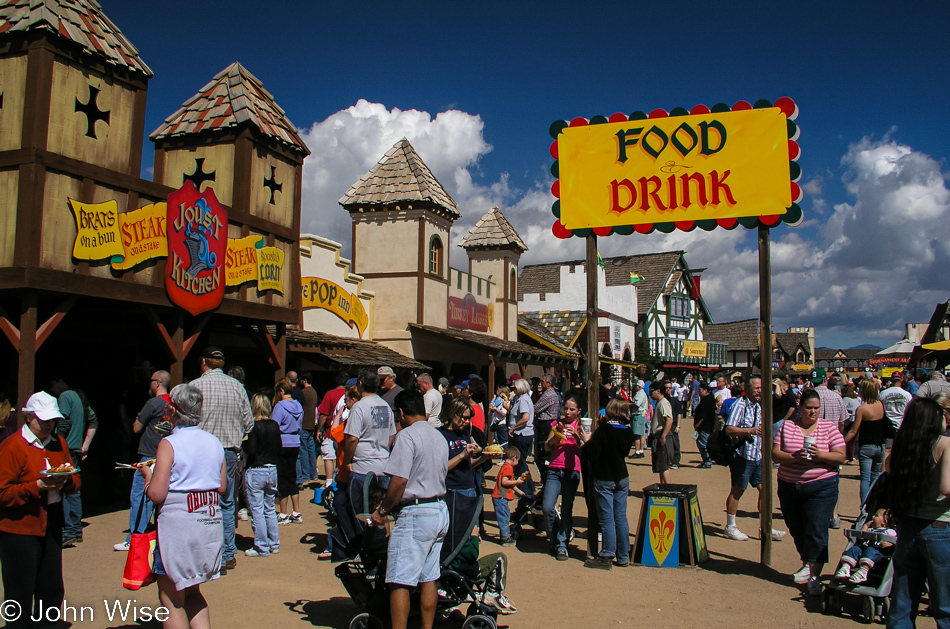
<point>351,382</point>
<point>513,377</point>
<point>638,383</point>
<point>213,352</point>
<point>44,406</point>
<point>382,372</point>
<point>713,384</point>
<point>818,375</point>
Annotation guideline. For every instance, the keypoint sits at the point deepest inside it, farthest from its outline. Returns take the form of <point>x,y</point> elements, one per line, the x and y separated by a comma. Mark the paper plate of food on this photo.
<point>135,466</point>
<point>62,470</point>
<point>494,450</point>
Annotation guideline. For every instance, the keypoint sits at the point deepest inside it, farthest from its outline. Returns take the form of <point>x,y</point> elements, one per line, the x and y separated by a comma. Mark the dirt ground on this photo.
<point>294,589</point>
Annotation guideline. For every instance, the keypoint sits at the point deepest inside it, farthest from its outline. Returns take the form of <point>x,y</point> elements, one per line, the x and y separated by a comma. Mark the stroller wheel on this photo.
<point>366,621</point>
<point>828,602</point>
<point>515,531</point>
<point>885,609</point>
<point>479,622</point>
<point>867,610</point>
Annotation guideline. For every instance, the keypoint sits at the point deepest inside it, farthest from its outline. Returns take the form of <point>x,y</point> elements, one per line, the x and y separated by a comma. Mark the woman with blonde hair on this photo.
<point>521,428</point>
<point>263,450</point>
<point>870,430</point>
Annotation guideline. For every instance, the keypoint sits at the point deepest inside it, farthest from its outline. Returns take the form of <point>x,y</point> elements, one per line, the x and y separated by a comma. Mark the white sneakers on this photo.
<point>803,575</point>
<point>844,572</point>
<point>734,533</point>
<point>777,535</point>
<point>243,515</point>
<point>121,548</point>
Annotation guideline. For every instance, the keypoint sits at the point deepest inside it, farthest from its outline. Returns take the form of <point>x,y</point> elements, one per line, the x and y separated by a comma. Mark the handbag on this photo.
<point>138,564</point>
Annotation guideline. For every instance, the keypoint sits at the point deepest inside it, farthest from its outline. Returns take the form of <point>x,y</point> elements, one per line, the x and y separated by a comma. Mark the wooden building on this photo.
<point>72,121</point>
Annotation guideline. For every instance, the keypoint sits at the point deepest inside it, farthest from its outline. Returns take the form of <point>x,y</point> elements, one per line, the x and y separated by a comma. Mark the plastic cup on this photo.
<point>586,424</point>
<point>809,442</point>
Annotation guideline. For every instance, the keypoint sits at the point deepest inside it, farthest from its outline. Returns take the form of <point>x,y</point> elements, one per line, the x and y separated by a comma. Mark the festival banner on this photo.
<point>143,236</point>
<point>270,269</point>
<point>98,235</point>
<point>241,261</point>
<point>197,227</point>
<point>320,293</point>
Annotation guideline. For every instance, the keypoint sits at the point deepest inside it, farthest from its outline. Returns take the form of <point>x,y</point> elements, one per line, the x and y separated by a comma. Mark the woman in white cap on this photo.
<point>188,480</point>
<point>31,512</point>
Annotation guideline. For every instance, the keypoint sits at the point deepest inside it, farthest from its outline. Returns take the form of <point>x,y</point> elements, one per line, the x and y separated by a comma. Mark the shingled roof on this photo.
<point>654,267</point>
<point>562,325</point>
<point>79,21</point>
<point>349,352</point>
<point>738,335</point>
<point>789,342</point>
<point>493,231</point>
<point>234,97</point>
<point>521,352</point>
<point>400,177</point>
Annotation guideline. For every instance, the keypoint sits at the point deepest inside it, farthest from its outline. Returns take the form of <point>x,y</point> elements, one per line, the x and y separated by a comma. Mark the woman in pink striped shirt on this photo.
<point>808,484</point>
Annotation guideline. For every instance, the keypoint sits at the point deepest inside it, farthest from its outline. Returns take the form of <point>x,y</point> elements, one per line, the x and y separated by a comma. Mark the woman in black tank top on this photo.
<point>871,429</point>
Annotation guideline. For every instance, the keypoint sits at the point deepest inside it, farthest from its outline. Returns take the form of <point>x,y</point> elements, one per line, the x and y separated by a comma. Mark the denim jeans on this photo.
<point>562,483</point>
<point>501,434</point>
<point>260,484</point>
<point>702,439</point>
<point>871,460</point>
<point>524,445</point>
<point>542,430</point>
<point>807,508</point>
<point>502,517</point>
<point>228,514</point>
<point>72,506</point>
<point>135,499</point>
<point>307,459</point>
<point>611,499</point>
<point>857,553</point>
<point>922,554</point>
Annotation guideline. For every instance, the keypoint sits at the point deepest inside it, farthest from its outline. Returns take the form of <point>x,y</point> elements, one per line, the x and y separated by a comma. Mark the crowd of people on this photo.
<point>208,447</point>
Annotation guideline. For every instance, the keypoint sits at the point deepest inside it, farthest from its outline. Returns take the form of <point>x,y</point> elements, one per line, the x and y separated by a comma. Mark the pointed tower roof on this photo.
<point>400,177</point>
<point>493,231</point>
<point>232,98</point>
<point>80,21</point>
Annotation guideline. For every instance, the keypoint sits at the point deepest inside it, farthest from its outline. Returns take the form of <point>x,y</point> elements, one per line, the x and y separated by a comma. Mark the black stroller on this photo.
<point>364,575</point>
<point>874,593</point>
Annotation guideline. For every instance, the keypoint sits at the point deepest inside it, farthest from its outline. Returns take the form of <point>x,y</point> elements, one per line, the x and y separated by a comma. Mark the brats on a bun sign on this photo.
<point>677,170</point>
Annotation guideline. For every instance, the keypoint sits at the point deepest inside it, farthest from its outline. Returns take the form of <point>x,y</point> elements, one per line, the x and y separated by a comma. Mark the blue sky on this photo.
<point>474,86</point>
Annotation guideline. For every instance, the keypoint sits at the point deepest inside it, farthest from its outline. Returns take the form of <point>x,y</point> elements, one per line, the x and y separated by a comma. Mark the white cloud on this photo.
<point>867,266</point>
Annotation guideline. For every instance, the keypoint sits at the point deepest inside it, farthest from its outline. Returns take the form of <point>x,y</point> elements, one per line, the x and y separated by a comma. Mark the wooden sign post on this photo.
<point>765,355</point>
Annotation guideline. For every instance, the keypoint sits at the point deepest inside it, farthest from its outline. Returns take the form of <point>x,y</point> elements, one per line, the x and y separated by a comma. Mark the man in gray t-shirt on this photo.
<point>372,426</point>
<point>417,469</point>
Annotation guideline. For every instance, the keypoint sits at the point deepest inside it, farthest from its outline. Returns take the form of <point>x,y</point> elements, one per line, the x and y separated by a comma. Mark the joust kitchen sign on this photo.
<point>190,229</point>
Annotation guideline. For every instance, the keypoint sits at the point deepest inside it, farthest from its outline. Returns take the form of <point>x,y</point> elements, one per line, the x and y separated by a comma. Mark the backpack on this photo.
<point>722,448</point>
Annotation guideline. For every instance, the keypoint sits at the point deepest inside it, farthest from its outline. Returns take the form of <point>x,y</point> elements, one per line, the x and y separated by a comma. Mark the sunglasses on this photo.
<point>469,417</point>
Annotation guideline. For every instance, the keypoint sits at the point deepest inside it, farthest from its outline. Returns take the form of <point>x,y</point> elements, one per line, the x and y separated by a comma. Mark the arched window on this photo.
<point>435,256</point>
<point>513,286</point>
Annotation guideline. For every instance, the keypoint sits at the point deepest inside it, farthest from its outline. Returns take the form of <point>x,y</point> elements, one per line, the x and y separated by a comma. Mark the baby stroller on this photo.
<point>529,511</point>
<point>874,593</point>
<point>364,576</point>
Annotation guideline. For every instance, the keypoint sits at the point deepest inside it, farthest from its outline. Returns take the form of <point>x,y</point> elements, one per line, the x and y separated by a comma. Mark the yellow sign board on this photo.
<point>696,349</point>
<point>97,226</point>
<point>683,168</point>
<point>802,367</point>
<point>320,293</point>
<point>240,264</point>
<point>887,372</point>
<point>143,236</point>
<point>270,268</point>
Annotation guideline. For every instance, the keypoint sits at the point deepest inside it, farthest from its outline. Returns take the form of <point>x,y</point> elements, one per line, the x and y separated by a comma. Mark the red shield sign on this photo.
<point>197,228</point>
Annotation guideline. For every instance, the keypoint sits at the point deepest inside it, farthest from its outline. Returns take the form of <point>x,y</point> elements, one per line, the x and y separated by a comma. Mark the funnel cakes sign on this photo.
<point>191,230</point>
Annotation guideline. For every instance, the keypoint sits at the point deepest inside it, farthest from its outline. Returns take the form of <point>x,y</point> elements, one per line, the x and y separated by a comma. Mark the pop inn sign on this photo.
<point>190,230</point>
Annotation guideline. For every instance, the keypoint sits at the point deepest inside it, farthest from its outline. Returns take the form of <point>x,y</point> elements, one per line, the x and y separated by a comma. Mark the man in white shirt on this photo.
<point>433,399</point>
<point>895,399</point>
<point>722,391</point>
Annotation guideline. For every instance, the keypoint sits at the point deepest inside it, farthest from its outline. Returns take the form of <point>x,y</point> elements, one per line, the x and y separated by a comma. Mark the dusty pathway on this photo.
<point>294,589</point>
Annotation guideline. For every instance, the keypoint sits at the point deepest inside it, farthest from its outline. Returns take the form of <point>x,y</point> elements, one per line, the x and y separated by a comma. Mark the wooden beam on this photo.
<point>27,360</point>
<point>11,331</point>
<point>189,343</point>
<point>270,347</point>
<point>50,324</point>
<point>593,388</point>
<point>765,351</point>
<point>166,338</point>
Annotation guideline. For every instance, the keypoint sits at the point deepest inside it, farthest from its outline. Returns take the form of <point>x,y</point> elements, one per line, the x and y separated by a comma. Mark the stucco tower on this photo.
<point>494,249</point>
<point>402,221</point>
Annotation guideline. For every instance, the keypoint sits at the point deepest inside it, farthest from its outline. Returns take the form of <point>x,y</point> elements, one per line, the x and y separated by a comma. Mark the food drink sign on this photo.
<point>469,314</point>
<point>677,170</point>
<point>197,229</point>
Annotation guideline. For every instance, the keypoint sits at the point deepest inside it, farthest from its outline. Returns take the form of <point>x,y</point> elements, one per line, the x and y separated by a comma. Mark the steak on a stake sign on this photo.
<point>681,169</point>
<point>197,229</point>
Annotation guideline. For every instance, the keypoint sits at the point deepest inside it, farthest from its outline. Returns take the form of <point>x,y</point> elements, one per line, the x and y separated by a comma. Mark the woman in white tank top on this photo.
<point>188,479</point>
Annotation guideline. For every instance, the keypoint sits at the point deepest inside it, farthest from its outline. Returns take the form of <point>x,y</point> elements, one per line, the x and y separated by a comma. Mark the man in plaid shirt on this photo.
<point>226,414</point>
<point>546,410</point>
<point>832,404</point>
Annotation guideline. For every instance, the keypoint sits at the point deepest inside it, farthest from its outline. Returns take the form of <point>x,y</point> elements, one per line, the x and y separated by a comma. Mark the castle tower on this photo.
<point>402,220</point>
<point>494,249</point>
<point>231,136</point>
